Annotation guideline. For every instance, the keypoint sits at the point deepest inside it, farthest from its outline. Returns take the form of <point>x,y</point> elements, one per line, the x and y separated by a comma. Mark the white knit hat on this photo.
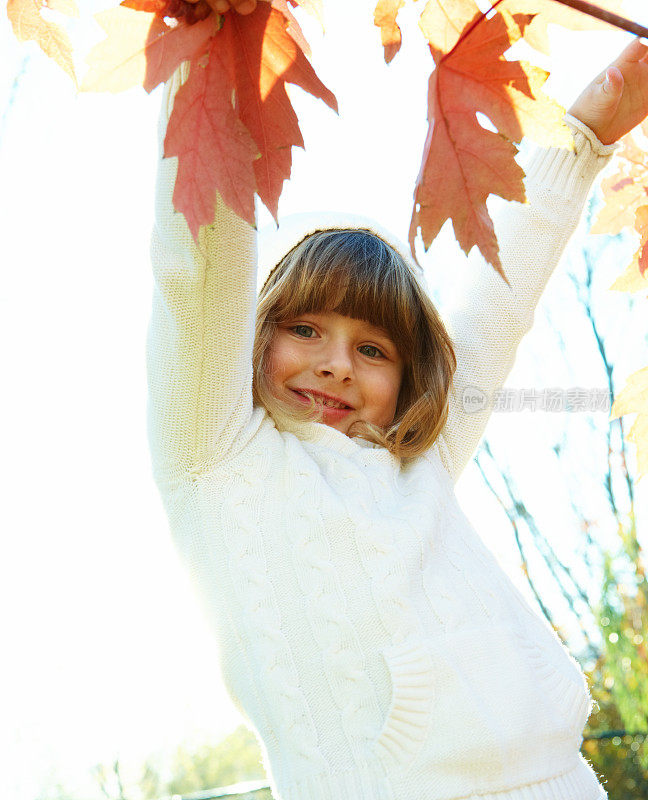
<point>274,243</point>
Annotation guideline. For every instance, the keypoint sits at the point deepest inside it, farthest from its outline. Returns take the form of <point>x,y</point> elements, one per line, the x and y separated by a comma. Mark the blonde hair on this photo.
<point>356,273</point>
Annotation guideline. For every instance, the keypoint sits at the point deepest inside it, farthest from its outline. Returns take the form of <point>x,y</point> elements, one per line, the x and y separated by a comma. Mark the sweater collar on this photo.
<point>325,436</point>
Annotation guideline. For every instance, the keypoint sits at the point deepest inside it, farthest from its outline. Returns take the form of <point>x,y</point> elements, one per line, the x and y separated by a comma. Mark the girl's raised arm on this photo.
<point>486,319</point>
<point>201,331</point>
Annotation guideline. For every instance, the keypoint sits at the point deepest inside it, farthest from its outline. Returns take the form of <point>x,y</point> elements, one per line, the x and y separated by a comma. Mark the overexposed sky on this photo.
<point>105,653</point>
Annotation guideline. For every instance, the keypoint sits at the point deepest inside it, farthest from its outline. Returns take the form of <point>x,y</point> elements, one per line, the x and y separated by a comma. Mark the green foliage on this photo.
<point>623,622</point>
<point>619,761</point>
<point>235,759</point>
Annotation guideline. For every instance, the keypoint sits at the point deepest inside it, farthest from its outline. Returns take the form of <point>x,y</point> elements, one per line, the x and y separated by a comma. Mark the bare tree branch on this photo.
<point>606,16</point>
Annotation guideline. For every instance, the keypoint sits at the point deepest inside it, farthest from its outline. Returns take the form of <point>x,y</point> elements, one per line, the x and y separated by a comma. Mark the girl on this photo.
<point>307,466</point>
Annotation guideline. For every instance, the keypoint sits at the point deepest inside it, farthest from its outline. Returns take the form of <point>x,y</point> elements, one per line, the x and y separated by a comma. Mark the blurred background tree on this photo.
<point>611,619</point>
<point>235,759</point>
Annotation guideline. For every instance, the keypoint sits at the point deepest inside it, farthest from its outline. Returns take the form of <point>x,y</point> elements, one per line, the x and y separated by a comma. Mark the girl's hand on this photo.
<point>221,6</point>
<point>617,99</point>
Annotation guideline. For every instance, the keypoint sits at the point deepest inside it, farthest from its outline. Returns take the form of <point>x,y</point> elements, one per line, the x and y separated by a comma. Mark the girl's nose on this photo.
<point>336,361</point>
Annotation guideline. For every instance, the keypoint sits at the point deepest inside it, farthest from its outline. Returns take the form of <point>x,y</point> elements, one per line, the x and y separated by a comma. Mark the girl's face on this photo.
<point>346,359</point>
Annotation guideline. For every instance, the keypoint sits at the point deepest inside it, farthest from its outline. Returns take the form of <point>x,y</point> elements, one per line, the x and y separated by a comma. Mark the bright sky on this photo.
<point>105,653</point>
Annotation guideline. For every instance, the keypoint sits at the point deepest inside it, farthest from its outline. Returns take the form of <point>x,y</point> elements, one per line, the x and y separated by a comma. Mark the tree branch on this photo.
<point>606,16</point>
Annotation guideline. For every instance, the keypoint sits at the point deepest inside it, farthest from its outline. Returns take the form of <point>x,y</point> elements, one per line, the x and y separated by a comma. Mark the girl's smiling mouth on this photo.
<point>333,407</point>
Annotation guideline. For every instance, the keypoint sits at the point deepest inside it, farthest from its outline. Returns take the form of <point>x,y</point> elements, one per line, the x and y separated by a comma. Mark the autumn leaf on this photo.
<point>29,25</point>
<point>233,125</point>
<point>625,190</point>
<point>625,196</point>
<point>390,34</point>
<point>633,398</point>
<point>641,226</point>
<point>188,12</point>
<point>293,26</point>
<point>214,148</point>
<point>266,59</point>
<point>550,12</point>
<point>464,162</point>
<point>631,279</point>
<point>444,21</point>
<point>67,7</point>
<point>141,49</point>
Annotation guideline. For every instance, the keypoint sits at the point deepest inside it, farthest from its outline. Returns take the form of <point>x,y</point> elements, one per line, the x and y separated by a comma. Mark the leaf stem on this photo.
<point>605,16</point>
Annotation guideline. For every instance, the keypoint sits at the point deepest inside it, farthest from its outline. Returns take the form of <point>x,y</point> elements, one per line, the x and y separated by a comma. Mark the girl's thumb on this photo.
<point>611,86</point>
<point>603,102</point>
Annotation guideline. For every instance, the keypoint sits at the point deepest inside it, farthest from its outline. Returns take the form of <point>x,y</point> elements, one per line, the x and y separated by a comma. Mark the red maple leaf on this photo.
<point>266,58</point>
<point>233,125</point>
<point>214,148</point>
<point>464,162</point>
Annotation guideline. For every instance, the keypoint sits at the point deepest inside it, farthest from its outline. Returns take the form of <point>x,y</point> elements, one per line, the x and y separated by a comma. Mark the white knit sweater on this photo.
<point>365,631</point>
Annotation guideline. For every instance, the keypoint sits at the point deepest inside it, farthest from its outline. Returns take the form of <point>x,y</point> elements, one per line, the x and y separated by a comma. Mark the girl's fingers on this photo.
<point>245,6</point>
<point>634,52</point>
<point>242,6</point>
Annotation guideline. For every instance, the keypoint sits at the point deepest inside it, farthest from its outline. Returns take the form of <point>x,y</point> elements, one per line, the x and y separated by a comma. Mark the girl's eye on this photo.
<point>300,328</point>
<point>305,331</point>
<point>376,354</point>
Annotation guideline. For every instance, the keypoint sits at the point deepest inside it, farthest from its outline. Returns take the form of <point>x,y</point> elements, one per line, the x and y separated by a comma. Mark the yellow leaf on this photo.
<point>442,22</point>
<point>68,7</point>
<point>631,280</point>
<point>385,15</point>
<point>29,25</point>
<point>633,397</point>
<point>624,191</point>
<point>119,62</point>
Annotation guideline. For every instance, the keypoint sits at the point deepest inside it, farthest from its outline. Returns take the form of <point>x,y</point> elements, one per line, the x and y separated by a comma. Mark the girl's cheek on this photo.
<point>272,362</point>
<point>281,359</point>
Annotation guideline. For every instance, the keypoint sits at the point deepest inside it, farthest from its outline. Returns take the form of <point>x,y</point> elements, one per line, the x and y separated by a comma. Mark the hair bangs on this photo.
<point>353,273</point>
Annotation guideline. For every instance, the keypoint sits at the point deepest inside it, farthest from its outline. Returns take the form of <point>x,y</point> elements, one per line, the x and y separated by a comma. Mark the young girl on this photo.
<point>307,466</point>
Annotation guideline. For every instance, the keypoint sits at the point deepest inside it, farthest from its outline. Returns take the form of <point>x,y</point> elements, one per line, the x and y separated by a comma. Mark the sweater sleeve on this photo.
<point>201,330</point>
<point>485,318</point>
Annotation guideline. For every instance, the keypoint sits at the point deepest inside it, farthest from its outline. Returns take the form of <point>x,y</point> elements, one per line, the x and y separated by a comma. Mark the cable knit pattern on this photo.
<point>253,588</point>
<point>367,633</point>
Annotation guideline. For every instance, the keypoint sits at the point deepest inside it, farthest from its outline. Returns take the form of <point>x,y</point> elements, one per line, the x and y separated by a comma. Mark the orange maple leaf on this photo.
<point>266,58</point>
<point>214,148</point>
<point>233,125</point>
<point>29,25</point>
<point>390,34</point>
<point>462,161</point>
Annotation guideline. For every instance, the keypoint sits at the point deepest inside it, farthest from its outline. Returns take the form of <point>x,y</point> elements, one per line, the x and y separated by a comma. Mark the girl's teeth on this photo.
<point>328,403</point>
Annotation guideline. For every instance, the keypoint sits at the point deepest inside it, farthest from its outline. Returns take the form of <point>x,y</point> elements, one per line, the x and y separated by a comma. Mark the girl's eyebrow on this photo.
<point>377,330</point>
<point>373,330</point>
